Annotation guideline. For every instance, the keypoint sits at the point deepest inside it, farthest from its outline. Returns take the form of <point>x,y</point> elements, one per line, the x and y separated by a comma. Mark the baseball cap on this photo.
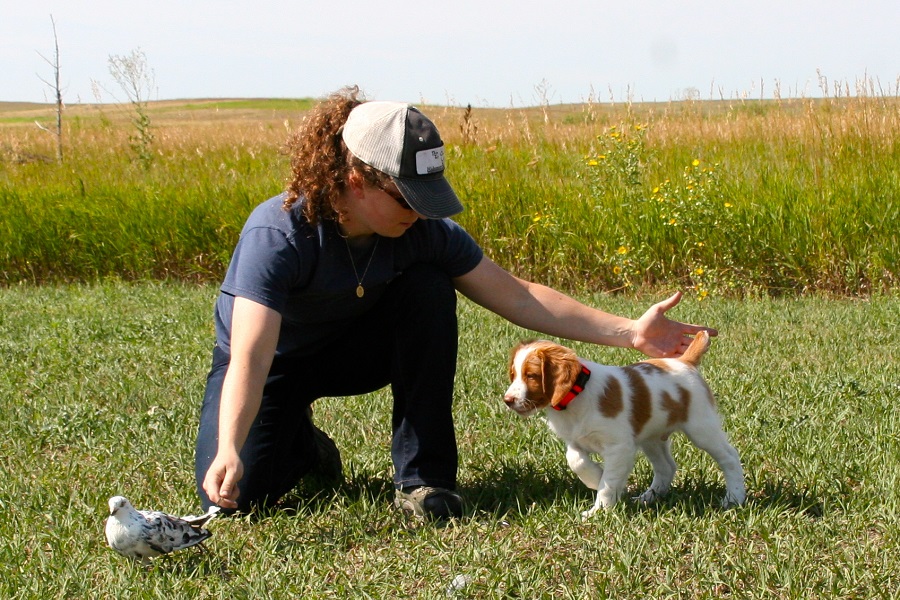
<point>397,139</point>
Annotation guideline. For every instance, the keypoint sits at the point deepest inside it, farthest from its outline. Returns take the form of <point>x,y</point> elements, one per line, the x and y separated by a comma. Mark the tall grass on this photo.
<point>811,188</point>
<point>102,214</point>
<point>772,196</point>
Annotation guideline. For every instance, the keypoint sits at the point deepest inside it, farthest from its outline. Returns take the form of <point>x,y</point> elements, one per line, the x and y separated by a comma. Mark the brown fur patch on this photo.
<point>533,375</point>
<point>662,365</point>
<point>677,409</point>
<point>548,371</point>
<point>611,401</point>
<point>561,368</point>
<point>641,405</point>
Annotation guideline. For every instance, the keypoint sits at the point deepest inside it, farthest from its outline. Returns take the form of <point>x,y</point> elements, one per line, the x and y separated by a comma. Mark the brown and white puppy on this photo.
<point>616,411</point>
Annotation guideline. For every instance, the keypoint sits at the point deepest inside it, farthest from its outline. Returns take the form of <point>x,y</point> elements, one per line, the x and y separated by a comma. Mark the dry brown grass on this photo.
<point>806,122</point>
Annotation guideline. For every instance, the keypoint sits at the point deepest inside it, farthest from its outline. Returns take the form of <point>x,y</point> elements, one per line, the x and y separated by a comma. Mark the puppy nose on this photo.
<point>510,400</point>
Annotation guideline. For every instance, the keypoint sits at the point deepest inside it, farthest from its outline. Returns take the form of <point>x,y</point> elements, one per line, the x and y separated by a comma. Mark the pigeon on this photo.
<point>143,534</point>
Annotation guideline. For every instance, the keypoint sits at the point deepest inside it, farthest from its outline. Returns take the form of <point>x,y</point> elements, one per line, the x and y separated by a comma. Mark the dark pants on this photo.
<point>408,340</point>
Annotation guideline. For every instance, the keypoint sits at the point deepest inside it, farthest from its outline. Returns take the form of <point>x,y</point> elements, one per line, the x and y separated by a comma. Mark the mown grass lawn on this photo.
<point>100,387</point>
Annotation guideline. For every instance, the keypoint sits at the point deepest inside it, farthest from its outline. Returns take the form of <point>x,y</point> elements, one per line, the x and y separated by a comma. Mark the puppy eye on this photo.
<point>532,377</point>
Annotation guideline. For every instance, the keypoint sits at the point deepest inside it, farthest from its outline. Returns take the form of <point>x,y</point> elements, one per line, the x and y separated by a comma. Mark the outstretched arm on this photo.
<point>254,335</point>
<point>540,308</point>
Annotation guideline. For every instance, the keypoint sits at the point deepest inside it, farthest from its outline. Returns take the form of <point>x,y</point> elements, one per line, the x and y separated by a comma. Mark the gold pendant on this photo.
<point>360,292</point>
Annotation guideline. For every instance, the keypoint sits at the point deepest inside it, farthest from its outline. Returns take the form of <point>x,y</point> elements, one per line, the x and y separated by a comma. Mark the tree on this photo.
<point>57,92</point>
<point>137,80</point>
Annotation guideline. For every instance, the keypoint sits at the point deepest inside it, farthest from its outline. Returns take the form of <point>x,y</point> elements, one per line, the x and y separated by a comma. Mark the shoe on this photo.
<point>432,503</point>
<point>328,470</point>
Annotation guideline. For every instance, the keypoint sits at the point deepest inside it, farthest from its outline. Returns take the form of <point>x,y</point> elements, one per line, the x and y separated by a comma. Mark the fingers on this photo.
<point>688,330</point>
<point>680,348</point>
<point>658,336</point>
<point>229,491</point>
<point>221,486</point>
<point>670,302</point>
<point>695,329</point>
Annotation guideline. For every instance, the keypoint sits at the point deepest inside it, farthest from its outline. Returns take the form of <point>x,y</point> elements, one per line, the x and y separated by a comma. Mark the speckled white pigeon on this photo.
<point>143,534</point>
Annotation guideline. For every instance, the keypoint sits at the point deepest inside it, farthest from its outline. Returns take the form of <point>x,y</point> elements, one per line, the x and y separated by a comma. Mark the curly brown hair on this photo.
<point>321,162</point>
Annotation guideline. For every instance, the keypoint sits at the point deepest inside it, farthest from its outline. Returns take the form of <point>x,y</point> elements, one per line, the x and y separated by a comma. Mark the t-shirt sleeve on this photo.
<point>455,249</point>
<point>264,267</point>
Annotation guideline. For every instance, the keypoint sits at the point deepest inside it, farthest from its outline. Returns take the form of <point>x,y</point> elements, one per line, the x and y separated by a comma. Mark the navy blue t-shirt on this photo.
<point>305,272</point>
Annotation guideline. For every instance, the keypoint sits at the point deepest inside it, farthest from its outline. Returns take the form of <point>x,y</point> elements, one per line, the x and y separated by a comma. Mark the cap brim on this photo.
<point>431,198</point>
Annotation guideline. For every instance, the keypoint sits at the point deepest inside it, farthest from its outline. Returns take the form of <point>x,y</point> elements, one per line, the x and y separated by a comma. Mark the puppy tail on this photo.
<point>696,350</point>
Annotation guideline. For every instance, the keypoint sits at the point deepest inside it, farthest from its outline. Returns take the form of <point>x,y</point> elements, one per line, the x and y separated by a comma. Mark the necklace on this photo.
<point>360,290</point>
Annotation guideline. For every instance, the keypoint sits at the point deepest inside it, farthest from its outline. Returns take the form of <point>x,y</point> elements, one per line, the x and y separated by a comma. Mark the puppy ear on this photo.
<point>560,370</point>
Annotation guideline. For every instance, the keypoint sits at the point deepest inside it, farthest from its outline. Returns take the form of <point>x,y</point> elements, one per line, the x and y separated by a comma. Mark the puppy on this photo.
<point>616,411</point>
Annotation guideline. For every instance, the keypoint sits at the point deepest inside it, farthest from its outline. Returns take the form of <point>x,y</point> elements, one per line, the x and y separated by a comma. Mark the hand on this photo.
<point>656,336</point>
<point>220,483</point>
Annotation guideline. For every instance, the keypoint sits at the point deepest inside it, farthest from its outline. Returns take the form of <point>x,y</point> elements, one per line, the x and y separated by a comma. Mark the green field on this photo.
<point>102,384</point>
<point>779,219</point>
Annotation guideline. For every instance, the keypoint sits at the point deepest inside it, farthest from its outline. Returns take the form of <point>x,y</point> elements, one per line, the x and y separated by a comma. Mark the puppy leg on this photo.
<point>714,442</point>
<point>588,471</point>
<point>618,461</point>
<point>659,452</point>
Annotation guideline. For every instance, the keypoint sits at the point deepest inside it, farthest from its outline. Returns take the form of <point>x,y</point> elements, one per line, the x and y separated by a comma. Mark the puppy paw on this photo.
<point>732,502</point>
<point>648,497</point>
<point>585,515</point>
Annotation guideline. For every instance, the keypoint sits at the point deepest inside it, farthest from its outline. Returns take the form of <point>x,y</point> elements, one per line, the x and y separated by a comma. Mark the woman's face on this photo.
<point>369,209</point>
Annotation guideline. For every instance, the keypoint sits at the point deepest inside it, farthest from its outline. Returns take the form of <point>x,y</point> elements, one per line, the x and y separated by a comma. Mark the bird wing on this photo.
<point>200,520</point>
<point>165,533</point>
<point>127,537</point>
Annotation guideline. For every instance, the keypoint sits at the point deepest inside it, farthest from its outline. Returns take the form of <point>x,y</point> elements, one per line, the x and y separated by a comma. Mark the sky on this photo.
<point>487,53</point>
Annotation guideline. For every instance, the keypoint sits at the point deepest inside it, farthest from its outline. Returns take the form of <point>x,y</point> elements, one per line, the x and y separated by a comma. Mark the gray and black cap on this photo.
<point>397,139</point>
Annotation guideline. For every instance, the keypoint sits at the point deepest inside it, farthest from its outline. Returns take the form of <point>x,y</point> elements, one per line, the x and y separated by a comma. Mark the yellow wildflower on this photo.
<point>728,205</point>
<point>593,163</point>
<point>617,269</point>
<point>698,271</point>
<point>622,250</point>
<point>696,162</point>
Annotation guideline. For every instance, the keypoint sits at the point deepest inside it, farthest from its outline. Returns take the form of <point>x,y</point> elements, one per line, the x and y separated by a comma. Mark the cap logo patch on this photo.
<point>430,161</point>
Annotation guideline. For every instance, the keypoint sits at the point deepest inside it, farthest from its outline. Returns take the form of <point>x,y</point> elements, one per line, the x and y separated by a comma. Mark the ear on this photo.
<point>356,183</point>
<point>560,369</point>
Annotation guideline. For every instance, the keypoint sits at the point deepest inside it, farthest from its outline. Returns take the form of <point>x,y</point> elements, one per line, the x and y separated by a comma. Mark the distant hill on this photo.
<point>17,106</point>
